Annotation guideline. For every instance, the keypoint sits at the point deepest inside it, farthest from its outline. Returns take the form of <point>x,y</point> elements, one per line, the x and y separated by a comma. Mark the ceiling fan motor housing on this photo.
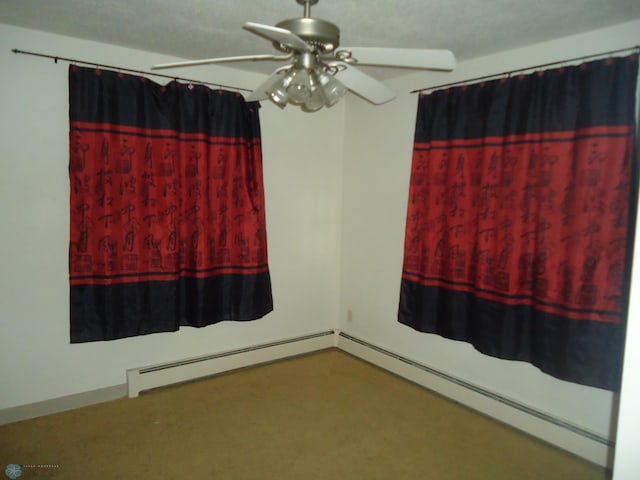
<point>321,34</point>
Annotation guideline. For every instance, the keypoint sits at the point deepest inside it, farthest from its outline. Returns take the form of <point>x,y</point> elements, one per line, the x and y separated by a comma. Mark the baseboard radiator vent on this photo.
<point>146,378</point>
<point>561,433</point>
<point>570,437</point>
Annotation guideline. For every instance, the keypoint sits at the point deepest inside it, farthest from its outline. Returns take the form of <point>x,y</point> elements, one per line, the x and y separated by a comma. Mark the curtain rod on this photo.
<point>635,48</point>
<point>56,58</point>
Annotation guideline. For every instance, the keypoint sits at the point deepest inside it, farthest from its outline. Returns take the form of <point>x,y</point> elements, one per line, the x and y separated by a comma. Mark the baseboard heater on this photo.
<point>146,378</point>
<point>559,432</point>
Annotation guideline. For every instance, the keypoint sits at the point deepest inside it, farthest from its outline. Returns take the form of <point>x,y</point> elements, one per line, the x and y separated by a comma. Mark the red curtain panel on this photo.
<point>520,218</point>
<point>167,207</point>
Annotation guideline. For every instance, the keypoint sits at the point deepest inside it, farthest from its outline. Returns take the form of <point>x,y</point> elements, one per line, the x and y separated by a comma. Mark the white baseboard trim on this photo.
<point>145,378</point>
<point>558,432</point>
<point>565,435</point>
<point>61,404</point>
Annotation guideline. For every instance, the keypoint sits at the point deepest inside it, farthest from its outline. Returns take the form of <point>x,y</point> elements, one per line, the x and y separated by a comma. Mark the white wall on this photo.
<point>303,191</point>
<point>378,150</point>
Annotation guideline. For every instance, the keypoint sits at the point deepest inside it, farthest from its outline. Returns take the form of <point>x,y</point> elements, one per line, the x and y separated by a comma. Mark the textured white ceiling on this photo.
<point>195,29</point>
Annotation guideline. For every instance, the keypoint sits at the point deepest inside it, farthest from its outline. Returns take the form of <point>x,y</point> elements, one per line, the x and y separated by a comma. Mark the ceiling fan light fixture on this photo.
<point>299,88</point>
<point>277,91</point>
<point>317,99</point>
<point>333,89</point>
<point>279,96</point>
<point>309,88</point>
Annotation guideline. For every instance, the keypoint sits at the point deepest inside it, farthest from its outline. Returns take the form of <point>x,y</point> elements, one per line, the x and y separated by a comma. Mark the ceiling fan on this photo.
<point>319,72</point>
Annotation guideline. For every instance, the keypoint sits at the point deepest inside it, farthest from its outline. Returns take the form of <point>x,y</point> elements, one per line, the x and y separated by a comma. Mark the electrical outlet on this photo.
<point>349,316</point>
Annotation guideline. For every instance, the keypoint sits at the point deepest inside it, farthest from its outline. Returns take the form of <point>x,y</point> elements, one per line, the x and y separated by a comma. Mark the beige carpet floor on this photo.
<point>321,416</point>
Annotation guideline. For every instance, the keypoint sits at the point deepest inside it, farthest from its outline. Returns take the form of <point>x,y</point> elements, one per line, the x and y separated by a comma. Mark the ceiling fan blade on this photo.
<point>207,61</point>
<point>401,57</point>
<point>362,84</point>
<point>260,93</point>
<point>279,35</point>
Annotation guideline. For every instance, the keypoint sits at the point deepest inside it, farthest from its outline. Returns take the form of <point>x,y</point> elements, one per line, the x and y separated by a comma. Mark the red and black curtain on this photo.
<point>167,207</point>
<point>520,218</point>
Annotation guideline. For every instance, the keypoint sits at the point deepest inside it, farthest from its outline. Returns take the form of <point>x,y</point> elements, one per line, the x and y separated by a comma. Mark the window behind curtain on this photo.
<point>167,207</point>
<point>521,211</point>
